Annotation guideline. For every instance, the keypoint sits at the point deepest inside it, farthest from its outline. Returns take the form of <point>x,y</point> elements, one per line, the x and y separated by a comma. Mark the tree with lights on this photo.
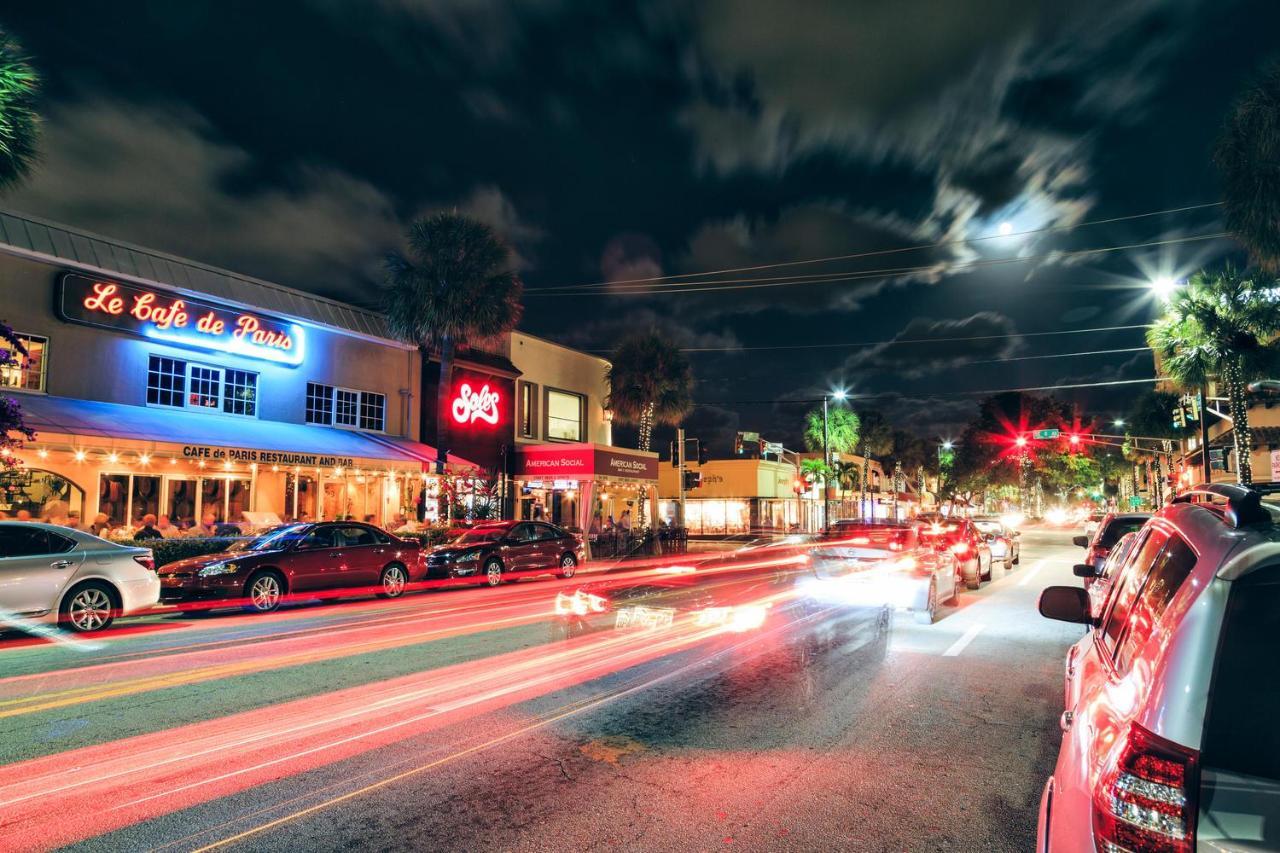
<point>1221,324</point>
<point>875,438</point>
<point>13,430</point>
<point>453,285</point>
<point>19,123</point>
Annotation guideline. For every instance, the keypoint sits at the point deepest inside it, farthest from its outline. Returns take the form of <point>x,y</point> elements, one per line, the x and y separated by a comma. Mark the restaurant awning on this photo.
<point>86,419</point>
<point>585,461</point>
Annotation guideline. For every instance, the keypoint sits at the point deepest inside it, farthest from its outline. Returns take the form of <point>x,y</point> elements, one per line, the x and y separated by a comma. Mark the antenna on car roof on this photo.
<point>1244,505</point>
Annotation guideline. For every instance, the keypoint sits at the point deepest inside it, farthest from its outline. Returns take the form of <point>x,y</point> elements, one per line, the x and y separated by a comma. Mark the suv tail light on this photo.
<point>147,562</point>
<point>961,547</point>
<point>1145,800</point>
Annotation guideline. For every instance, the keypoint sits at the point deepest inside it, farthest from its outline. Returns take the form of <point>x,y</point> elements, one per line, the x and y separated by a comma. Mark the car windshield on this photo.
<point>273,540</point>
<point>478,536</point>
<point>1118,528</point>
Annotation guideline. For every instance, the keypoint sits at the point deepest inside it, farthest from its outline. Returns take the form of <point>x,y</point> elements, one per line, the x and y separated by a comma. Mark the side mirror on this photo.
<point>1083,570</point>
<point>1065,604</point>
<point>1081,541</point>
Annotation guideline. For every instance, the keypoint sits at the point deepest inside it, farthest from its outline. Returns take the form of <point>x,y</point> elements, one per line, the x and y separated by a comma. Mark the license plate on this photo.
<point>645,617</point>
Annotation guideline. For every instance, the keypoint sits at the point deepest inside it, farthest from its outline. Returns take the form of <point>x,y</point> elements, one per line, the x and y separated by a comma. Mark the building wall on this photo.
<point>89,363</point>
<point>545,365</point>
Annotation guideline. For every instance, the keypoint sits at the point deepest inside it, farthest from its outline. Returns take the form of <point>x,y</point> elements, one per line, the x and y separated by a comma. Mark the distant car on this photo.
<point>1106,533</point>
<point>969,546</point>
<point>1097,582</point>
<point>888,563</point>
<point>1092,521</point>
<point>1170,740</point>
<point>74,577</point>
<point>296,559</point>
<point>1005,542</point>
<point>502,551</point>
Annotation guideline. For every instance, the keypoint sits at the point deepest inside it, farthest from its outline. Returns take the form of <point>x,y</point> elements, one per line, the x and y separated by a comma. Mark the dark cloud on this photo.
<point>926,346</point>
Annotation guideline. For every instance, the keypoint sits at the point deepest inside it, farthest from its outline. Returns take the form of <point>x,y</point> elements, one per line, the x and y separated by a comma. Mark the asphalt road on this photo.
<point>449,721</point>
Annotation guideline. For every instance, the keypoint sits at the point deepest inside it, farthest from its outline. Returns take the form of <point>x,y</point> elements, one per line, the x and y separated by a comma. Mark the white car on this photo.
<point>48,571</point>
<point>1170,740</point>
<point>1091,523</point>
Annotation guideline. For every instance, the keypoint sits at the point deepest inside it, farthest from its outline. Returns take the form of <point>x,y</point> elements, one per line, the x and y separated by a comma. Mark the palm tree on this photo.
<point>650,383</point>
<point>874,439</point>
<point>815,469</point>
<point>19,123</point>
<point>846,475</point>
<point>1246,154</point>
<point>1221,324</point>
<point>453,284</point>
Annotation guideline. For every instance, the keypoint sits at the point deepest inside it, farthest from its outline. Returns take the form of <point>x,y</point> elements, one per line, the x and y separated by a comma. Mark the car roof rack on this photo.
<point>1243,505</point>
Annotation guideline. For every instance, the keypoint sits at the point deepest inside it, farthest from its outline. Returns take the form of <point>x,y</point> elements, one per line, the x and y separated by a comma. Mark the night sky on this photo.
<point>613,142</point>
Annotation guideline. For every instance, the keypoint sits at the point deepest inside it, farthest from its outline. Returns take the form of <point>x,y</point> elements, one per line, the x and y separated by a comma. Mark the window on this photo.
<point>354,537</point>
<point>1163,582</point>
<point>241,393</point>
<point>181,384</point>
<point>343,407</point>
<point>1129,583</point>
<point>564,416</point>
<point>528,417</point>
<point>166,381</point>
<point>26,540</point>
<point>26,372</point>
<point>319,404</point>
<point>373,411</point>
<point>346,407</point>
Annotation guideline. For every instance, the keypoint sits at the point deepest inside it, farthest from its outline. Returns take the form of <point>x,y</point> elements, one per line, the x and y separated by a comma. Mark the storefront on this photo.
<point>742,496</point>
<point>585,487</point>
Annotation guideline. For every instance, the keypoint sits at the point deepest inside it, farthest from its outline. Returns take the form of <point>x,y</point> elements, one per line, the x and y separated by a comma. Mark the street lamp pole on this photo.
<point>826,460</point>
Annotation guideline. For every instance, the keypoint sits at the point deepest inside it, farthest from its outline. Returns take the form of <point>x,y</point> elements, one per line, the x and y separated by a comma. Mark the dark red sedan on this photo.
<point>293,560</point>
<point>499,551</point>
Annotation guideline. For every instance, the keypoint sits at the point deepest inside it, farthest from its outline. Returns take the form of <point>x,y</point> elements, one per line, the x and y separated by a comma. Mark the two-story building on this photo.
<point>161,385</point>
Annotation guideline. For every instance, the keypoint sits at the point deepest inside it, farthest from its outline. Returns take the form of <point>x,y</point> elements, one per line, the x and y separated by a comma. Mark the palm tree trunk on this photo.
<point>443,391</point>
<point>1239,423</point>
<point>862,495</point>
<point>645,440</point>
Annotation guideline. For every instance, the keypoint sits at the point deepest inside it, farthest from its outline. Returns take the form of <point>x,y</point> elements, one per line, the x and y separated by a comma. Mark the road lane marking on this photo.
<point>965,639</point>
<point>1032,572</point>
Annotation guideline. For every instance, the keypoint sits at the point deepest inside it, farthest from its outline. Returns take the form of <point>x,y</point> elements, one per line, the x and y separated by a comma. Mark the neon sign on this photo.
<point>178,319</point>
<point>471,406</point>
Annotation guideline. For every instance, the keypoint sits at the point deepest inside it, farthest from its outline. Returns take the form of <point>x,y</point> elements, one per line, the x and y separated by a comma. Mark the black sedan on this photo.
<point>503,551</point>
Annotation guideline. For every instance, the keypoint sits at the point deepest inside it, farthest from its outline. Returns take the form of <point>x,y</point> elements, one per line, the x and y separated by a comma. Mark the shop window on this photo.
<point>144,497</point>
<point>373,411</point>
<point>181,503</point>
<point>181,384</point>
<point>44,494</point>
<point>564,415</point>
<point>528,414</point>
<point>26,372</point>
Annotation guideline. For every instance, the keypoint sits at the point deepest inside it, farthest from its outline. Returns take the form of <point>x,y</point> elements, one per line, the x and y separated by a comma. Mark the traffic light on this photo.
<point>1073,440</point>
<point>1021,441</point>
<point>798,486</point>
<point>1179,414</point>
<point>675,455</point>
<point>692,480</point>
<point>702,453</point>
<point>737,444</point>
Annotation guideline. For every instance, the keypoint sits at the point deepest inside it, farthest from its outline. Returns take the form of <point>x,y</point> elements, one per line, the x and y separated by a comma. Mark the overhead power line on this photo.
<point>733,285</point>
<point>1061,387</point>
<point>676,277</point>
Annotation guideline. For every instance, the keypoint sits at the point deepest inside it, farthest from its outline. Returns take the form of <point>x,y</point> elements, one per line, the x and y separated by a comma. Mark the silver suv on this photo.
<point>1171,738</point>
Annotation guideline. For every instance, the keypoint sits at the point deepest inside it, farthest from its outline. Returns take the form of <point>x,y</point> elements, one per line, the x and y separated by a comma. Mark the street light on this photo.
<point>1118,422</point>
<point>1005,228</point>
<point>1163,286</point>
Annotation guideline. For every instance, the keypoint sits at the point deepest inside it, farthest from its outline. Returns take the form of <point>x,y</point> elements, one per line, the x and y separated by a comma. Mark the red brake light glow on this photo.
<point>147,562</point>
<point>961,547</point>
<point>1145,800</point>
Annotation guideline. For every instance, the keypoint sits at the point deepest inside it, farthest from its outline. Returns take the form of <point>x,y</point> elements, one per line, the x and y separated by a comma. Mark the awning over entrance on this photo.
<point>95,420</point>
<point>585,462</point>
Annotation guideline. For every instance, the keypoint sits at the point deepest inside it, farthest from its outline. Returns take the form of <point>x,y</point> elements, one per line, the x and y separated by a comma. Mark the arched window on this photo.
<point>39,492</point>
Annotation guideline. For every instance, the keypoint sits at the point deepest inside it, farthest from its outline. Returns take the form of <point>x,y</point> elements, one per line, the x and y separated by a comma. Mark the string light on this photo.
<point>226,466</point>
<point>113,457</point>
<point>144,459</point>
<point>79,455</point>
<point>200,464</point>
<point>173,460</point>
<point>275,467</point>
<point>337,472</point>
<point>42,453</point>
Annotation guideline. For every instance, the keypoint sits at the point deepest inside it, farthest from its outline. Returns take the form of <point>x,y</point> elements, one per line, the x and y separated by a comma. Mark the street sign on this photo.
<point>774,447</point>
<point>1135,501</point>
<point>1046,433</point>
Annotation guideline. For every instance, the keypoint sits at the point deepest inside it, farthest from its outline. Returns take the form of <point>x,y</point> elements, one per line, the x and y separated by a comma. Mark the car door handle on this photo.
<point>60,564</point>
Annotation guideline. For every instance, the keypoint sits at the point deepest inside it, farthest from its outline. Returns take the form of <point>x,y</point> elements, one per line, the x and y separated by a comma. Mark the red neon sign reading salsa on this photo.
<point>182,320</point>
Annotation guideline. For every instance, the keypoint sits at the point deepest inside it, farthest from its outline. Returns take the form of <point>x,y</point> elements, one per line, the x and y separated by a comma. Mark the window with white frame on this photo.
<point>25,372</point>
<point>564,415</point>
<point>180,384</point>
<point>329,405</point>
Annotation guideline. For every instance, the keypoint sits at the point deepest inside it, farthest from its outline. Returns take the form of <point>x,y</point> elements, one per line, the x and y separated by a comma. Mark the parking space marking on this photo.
<point>1032,572</point>
<point>965,639</point>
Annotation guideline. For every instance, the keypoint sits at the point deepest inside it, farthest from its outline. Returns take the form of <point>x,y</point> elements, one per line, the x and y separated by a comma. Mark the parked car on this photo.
<point>889,563</point>
<point>1004,541</point>
<point>1091,523</point>
<point>969,545</point>
<point>49,571</point>
<point>1170,739</point>
<point>502,551</point>
<point>1098,582</point>
<point>295,559</point>
<point>1110,528</point>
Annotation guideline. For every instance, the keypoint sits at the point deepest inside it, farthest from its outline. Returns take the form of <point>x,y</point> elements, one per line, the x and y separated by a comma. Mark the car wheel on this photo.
<point>973,580</point>
<point>568,565</point>
<point>493,573</point>
<point>90,607</point>
<point>393,581</point>
<point>926,616</point>
<point>1017,557</point>
<point>264,591</point>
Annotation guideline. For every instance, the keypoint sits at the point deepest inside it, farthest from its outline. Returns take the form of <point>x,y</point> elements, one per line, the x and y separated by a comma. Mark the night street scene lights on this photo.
<point>1163,286</point>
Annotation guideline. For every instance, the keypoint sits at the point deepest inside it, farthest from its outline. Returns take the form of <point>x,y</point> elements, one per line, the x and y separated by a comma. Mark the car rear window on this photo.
<point>1117,528</point>
<point>1242,732</point>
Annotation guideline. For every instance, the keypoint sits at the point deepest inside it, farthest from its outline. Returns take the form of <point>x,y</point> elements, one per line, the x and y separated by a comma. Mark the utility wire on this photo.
<point>834,278</point>
<point>879,252</point>
<point>1055,355</point>
<point>941,393</point>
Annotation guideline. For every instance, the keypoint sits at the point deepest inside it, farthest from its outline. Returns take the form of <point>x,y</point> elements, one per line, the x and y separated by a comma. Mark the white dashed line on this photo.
<point>965,639</point>
<point>1032,572</point>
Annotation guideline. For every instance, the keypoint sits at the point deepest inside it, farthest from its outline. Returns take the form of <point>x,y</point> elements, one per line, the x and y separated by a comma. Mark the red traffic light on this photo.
<point>1021,441</point>
<point>1074,439</point>
<point>798,486</point>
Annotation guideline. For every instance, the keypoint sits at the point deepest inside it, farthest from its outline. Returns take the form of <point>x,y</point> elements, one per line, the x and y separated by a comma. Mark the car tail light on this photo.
<point>746,617</point>
<point>961,547</point>
<point>147,562</point>
<point>1146,799</point>
<point>580,604</point>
